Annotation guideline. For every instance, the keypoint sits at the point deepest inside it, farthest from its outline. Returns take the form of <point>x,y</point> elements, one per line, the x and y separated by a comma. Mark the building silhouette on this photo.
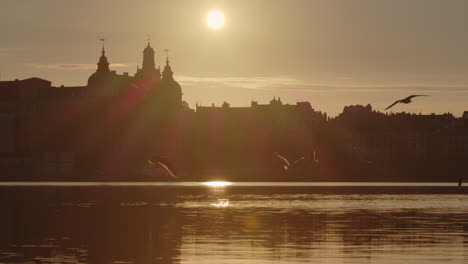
<point>55,130</point>
<point>147,80</point>
<point>107,130</point>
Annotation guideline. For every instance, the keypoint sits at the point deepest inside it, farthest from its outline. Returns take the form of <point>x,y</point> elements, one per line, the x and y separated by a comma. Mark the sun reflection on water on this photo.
<point>217,183</point>
<point>221,203</point>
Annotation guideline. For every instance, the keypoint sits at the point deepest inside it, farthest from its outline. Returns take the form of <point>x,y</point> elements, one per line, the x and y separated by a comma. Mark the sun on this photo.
<point>215,19</point>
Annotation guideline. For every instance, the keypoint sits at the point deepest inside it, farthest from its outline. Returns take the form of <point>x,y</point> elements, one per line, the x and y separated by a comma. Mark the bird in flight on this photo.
<point>406,100</point>
<point>314,156</point>
<point>286,164</point>
<point>165,167</point>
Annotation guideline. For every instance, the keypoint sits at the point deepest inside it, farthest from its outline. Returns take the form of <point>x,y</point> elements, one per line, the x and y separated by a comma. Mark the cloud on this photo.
<point>290,83</point>
<point>259,83</point>
<point>76,66</point>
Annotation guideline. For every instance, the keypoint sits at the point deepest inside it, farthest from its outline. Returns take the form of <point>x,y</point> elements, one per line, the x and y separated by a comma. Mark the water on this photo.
<point>238,223</point>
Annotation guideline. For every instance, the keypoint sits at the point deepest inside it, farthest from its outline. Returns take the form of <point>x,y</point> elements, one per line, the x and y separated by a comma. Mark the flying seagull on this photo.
<point>314,156</point>
<point>406,100</point>
<point>165,167</point>
<point>286,164</point>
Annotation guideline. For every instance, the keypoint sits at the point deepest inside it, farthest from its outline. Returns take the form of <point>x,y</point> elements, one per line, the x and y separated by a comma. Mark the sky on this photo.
<point>332,53</point>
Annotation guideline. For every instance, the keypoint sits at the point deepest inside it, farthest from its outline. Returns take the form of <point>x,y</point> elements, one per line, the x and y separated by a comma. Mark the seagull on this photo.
<point>286,164</point>
<point>314,154</point>
<point>165,167</point>
<point>406,100</point>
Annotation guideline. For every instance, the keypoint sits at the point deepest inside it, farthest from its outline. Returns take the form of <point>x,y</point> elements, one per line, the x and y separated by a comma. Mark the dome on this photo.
<point>98,77</point>
<point>171,90</point>
<point>102,72</point>
<point>171,85</point>
<point>93,78</point>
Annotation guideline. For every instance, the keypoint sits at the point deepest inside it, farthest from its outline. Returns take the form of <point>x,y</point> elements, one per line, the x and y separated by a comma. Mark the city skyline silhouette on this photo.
<point>329,53</point>
<point>234,132</point>
<point>129,127</point>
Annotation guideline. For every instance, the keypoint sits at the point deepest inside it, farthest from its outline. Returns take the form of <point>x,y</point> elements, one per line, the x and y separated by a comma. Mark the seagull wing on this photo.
<point>298,161</point>
<point>168,170</point>
<point>396,102</point>
<point>315,156</point>
<point>415,95</point>
<point>286,162</point>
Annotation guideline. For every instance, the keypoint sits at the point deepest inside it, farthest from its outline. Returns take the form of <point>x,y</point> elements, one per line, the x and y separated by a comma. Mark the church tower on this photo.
<point>167,73</point>
<point>102,73</point>
<point>148,58</point>
<point>148,70</point>
<point>103,64</point>
<point>170,90</point>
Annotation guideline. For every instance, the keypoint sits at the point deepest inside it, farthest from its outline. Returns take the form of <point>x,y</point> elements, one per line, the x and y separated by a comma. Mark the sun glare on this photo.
<point>215,19</point>
<point>217,183</point>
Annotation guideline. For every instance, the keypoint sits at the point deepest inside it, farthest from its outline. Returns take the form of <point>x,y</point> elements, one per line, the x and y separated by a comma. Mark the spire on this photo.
<point>167,56</point>
<point>167,73</point>
<point>103,64</point>
<point>103,49</point>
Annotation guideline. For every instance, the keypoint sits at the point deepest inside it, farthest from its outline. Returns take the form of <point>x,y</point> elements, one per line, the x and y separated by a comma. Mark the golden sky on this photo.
<point>329,52</point>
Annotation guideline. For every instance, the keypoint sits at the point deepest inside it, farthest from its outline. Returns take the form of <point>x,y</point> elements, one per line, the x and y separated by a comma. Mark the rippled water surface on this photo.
<point>241,223</point>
